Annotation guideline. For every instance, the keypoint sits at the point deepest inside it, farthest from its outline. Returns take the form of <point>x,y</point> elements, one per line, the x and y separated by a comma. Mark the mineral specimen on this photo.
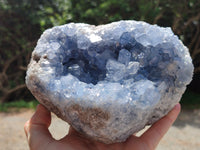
<point>109,81</point>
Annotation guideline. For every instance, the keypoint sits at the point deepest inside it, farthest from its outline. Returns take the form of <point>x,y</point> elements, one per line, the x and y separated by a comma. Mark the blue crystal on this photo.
<point>127,40</point>
<point>124,56</point>
<point>109,81</point>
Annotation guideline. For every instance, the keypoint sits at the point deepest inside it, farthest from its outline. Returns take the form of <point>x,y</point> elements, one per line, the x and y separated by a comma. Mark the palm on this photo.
<point>39,137</point>
<point>75,141</point>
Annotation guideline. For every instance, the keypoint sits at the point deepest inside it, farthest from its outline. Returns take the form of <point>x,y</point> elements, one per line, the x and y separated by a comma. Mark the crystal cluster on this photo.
<point>109,81</point>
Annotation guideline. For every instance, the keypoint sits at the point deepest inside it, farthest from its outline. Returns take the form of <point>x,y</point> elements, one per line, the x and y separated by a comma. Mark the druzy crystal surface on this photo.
<point>109,81</point>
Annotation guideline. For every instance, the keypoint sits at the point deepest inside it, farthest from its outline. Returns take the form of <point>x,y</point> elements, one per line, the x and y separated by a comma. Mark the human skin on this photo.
<point>39,137</point>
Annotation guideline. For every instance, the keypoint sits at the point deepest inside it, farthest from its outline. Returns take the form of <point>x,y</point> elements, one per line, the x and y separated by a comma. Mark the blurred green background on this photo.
<point>23,21</point>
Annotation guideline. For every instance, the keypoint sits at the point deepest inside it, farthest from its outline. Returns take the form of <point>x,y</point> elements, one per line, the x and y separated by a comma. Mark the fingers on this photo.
<point>36,128</point>
<point>155,133</point>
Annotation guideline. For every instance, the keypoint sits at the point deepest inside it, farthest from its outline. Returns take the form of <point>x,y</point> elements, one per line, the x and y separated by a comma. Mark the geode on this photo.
<point>109,81</point>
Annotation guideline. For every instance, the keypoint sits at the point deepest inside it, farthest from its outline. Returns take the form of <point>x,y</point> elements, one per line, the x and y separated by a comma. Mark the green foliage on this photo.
<point>103,11</point>
<point>183,16</point>
<point>190,100</point>
<point>18,104</point>
<point>21,24</point>
<point>23,21</point>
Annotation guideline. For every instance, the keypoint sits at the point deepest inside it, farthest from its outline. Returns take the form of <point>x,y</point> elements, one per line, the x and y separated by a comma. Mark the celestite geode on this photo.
<point>109,81</point>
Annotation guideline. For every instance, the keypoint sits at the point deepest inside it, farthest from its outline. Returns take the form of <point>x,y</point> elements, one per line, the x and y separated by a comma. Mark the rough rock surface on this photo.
<point>109,81</point>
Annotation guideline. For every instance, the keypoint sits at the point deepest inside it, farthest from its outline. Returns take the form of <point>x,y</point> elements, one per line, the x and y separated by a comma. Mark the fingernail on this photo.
<point>27,125</point>
<point>177,106</point>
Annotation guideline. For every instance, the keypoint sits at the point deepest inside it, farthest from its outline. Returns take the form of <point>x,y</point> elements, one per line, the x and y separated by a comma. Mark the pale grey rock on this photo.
<point>109,81</point>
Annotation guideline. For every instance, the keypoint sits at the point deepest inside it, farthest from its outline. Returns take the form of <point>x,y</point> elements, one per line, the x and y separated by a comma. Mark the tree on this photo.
<point>23,21</point>
<point>21,24</point>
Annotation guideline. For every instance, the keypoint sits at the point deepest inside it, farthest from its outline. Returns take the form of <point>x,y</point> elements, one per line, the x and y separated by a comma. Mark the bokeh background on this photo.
<point>23,21</point>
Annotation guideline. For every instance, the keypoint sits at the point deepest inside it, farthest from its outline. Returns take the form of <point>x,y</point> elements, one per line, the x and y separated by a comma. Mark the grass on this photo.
<point>5,107</point>
<point>190,100</point>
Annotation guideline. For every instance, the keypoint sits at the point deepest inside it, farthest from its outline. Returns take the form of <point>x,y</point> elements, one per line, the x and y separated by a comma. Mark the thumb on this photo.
<point>155,133</point>
<point>36,128</point>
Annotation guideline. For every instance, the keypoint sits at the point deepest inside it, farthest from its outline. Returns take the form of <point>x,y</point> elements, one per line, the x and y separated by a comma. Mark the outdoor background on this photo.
<point>23,21</point>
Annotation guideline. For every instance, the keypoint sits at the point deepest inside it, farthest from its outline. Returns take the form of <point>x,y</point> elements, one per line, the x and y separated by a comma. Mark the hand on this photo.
<point>39,137</point>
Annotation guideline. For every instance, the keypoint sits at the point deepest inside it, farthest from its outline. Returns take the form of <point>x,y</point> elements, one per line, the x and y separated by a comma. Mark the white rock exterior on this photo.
<point>109,81</point>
